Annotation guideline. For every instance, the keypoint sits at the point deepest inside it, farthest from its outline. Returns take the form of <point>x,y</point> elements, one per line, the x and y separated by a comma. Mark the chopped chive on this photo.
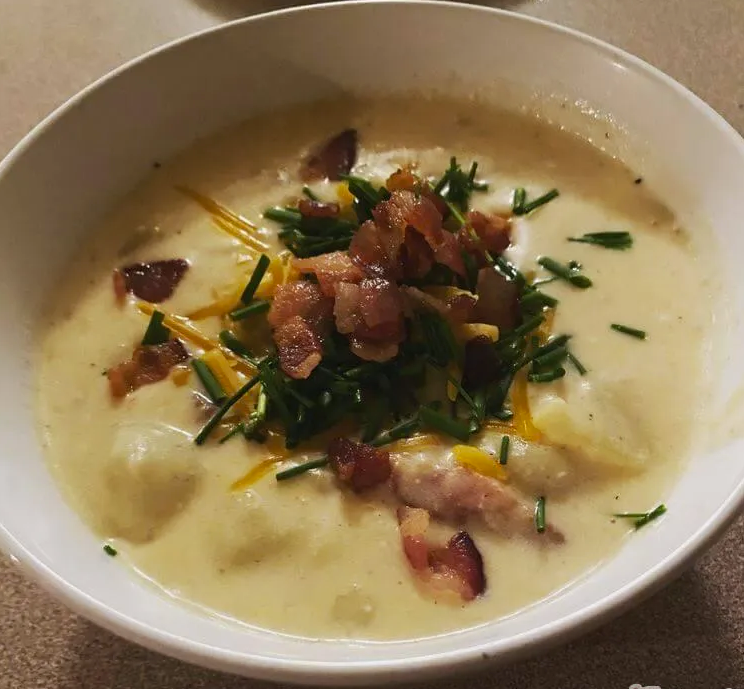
<point>577,364</point>
<point>258,272</point>
<point>156,333</point>
<point>504,450</point>
<point>554,357</point>
<point>455,213</point>
<point>220,413</point>
<point>626,330</point>
<point>533,297</point>
<point>445,424</point>
<point>504,415</point>
<point>518,199</point>
<point>526,208</point>
<point>302,468</point>
<point>258,306</point>
<point>375,414</point>
<point>540,514</point>
<point>607,240</point>
<point>544,281</point>
<point>404,429</point>
<point>235,430</point>
<point>546,376</point>
<point>565,272</point>
<point>235,345</point>
<point>524,329</point>
<point>110,550</point>
<point>210,383</point>
<point>310,193</point>
<point>287,216</point>
<point>642,518</point>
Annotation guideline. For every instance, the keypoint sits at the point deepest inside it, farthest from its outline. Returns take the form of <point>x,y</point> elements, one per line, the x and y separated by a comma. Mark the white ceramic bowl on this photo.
<point>74,165</point>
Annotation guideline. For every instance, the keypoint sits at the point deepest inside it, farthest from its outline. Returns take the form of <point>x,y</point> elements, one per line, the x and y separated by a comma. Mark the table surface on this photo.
<point>689,636</point>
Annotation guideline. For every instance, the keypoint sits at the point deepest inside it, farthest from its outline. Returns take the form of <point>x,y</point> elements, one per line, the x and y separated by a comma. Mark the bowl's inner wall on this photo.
<point>54,190</point>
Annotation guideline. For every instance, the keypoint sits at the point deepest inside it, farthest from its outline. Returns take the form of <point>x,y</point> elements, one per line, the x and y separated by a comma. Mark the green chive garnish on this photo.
<point>258,306</point>
<point>550,358</point>
<point>227,405</point>
<point>235,430</point>
<point>523,208</point>
<point>642,518</point>
<point>445,424</point>
<point>286,216</point>
<point>310,193</point>
<point>626,330</point>
<point>546,376</point>
<point>607,240</point>
<point>302,468</point>
<point>156,332</point>
<point>577,364</point>
<point>518,198</point>
<point>404,429</point>
<point>110,550</point>
<point>504,450</point>
<point>210,383</point>
<point>565,272</point>
<point>235,345</point>
<point>540,514</point>
<point>258,272</point>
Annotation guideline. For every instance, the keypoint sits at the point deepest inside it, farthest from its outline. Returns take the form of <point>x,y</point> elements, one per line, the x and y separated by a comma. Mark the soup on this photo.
<point>467,368</point>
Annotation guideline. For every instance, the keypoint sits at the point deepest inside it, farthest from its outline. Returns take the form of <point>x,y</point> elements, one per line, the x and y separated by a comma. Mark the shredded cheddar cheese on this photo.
<point>228,221</point>
<point>480,462</point>
<point>227,378</point>
<point>521,407</point>
<point>255,474</point>
<point>182,327</point>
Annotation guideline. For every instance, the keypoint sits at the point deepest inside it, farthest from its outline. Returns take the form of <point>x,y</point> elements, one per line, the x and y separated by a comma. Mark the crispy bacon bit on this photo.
<point>498,300</point>
<point>149,364</point>
<point>301,298</point>
<point>481,365</point>
<point>153,282</point>
<point>456,567</point>
<point>372,314</point>
<point>316,209</point>
<point>299,315</point>
<point>403,209</point>
<point>455,493</point>
<point>458,308</point>
<point>416,255</point>
<point>330,269</point>
<point>359,465</point>
<point>493,233</point>
<point>300,347</point>
<point>333,158</point>
<point>376,250</point>
<point>402,180</point>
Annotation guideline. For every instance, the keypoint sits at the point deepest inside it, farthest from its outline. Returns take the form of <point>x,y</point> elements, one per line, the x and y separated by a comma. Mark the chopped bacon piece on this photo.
<point>149,364</point>
<point>316,209</point>
<point>458,308</point>
<point>359,465</point>
<point>416,255</point>
<point>376,250</point>
<point>498,300</point>
<point>455,493</point>
<point>372,314</point>
<point>481,365</point>
<point>492,233</point>
<point>300,316</point>
<point>330,269</point>
<point>300,298</point>
<point>153,282</point>
<point>404,209</point>
<point>456,567</point>
<point>333,158</point>
<point>300,347</point>
<point>402,179</point>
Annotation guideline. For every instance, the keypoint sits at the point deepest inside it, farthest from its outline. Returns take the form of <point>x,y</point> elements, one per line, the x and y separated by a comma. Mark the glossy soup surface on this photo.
<point>306,556</point>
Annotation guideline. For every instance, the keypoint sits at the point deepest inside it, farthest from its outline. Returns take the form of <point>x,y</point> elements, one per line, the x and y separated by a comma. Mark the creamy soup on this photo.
<point>598,433</point>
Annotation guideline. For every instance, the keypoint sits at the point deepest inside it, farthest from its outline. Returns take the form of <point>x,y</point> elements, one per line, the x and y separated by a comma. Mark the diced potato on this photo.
<point>152,472</point>
<point>538,469</point>
<point>599,425</point>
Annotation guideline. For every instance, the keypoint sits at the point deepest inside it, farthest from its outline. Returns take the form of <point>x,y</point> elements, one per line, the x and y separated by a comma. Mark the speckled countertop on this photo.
<point>689,636</point>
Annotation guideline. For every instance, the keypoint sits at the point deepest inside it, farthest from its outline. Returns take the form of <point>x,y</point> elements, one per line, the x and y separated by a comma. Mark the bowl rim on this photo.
<point>331,672</point>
